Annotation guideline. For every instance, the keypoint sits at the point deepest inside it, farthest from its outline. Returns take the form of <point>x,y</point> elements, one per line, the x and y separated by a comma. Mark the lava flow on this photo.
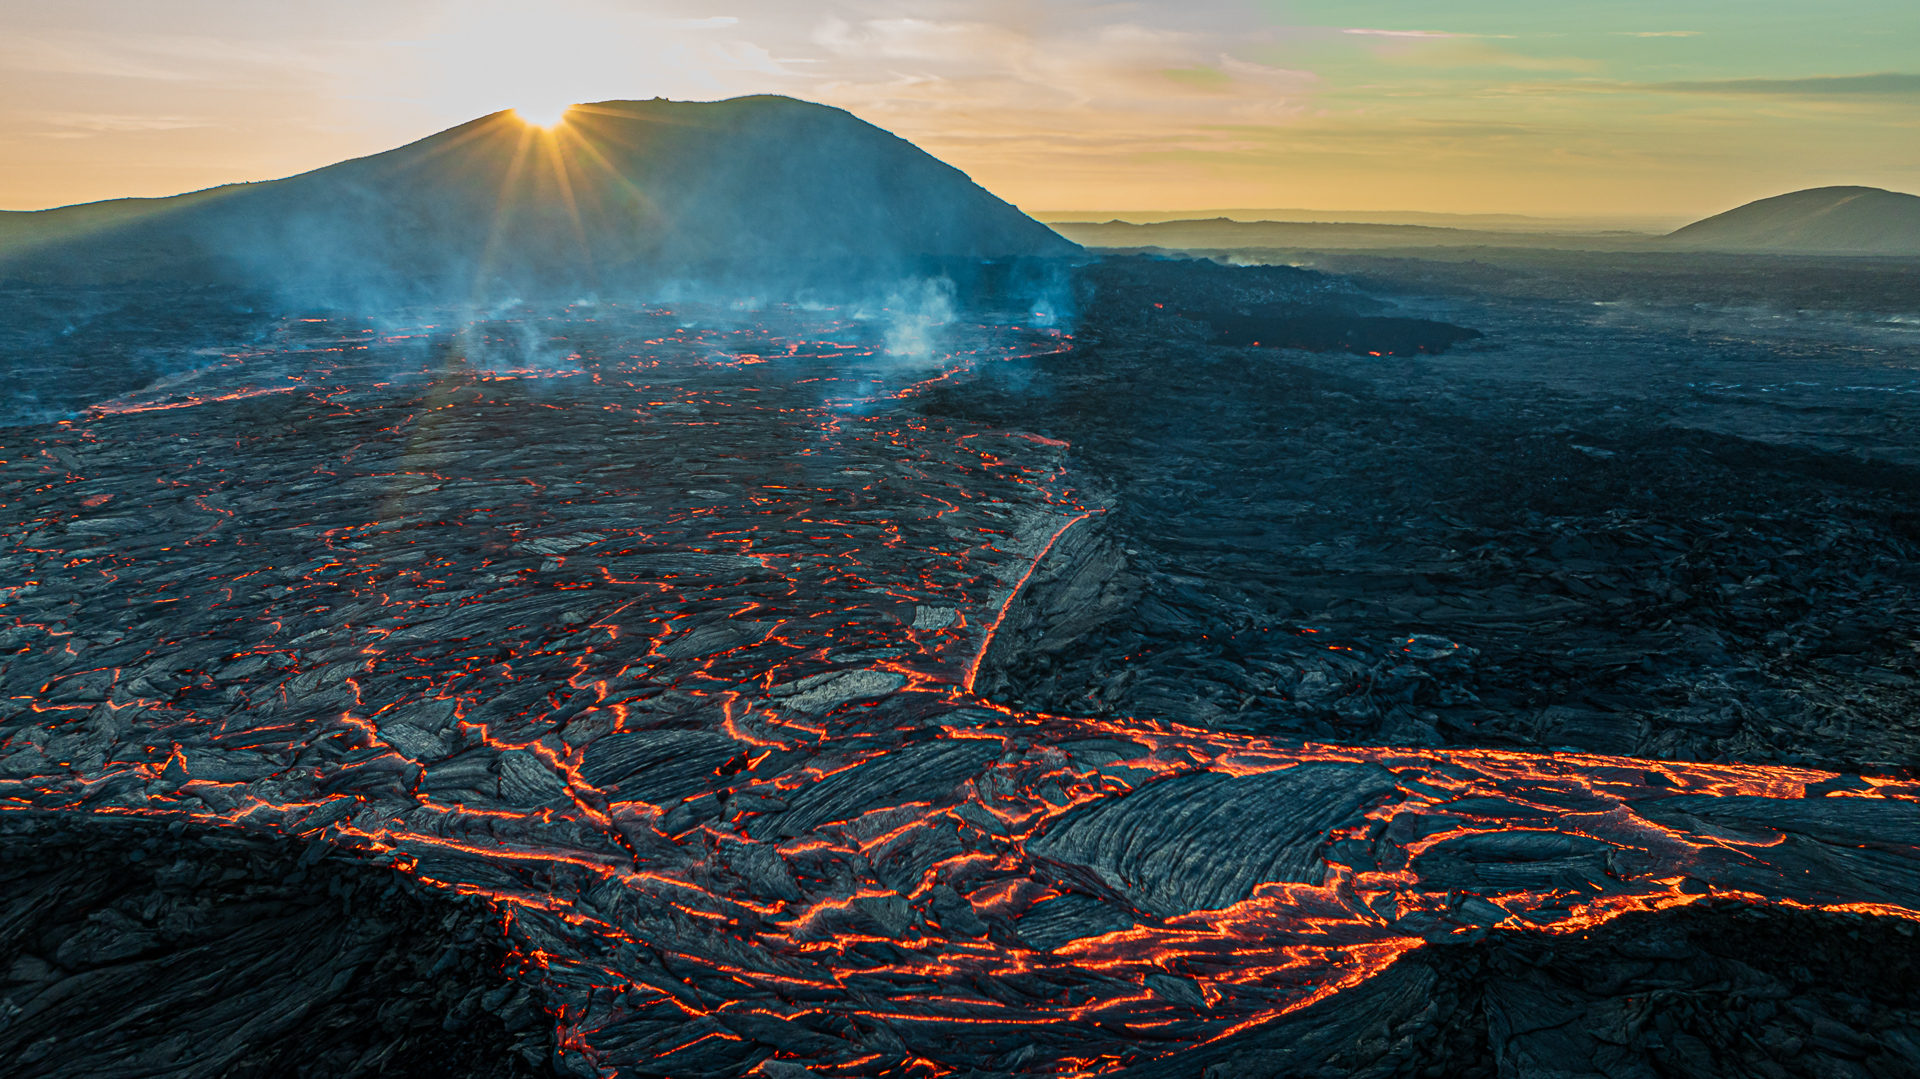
<point>661,635</point>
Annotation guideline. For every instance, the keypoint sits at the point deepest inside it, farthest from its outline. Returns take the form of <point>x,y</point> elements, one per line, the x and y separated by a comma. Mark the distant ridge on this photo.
<point>1225,234</point>
<point>1827,221</point>
<point>753,191</point>
<point>1480,222</point>
<point>1338,217</point>
<point>1820,220</point>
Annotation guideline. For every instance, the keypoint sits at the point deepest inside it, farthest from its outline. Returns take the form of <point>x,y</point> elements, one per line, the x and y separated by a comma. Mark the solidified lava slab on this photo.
<point>142,947</point>
<point>1718,989</point>
<point>673,636</point>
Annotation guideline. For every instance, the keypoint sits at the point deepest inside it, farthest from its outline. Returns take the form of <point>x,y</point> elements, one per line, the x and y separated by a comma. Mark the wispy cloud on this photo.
<point>1453,49</point>
<point>86,58</point>
<point>1429,34</point>
<point>99,121</point>
<point>1144,80</point>
<point>1891,84</point>
<point>176,58</point>
<point>85,125</point>
<point>1829,88</point>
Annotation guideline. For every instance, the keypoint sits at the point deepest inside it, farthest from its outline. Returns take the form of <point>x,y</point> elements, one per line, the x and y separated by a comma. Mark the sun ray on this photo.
<point>557,160</point>
<point>502,213</point>
<point>591,155</point>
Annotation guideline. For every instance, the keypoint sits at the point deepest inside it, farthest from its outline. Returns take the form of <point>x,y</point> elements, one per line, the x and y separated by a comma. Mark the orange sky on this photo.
<point>1632,108</point>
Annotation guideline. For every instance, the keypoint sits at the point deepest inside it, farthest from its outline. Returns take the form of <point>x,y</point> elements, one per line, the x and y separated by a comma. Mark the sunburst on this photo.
<point>545,115</point>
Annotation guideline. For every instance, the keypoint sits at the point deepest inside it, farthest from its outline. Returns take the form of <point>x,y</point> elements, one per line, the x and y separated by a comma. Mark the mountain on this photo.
<point>754,191</point>
<point>1820,220</point>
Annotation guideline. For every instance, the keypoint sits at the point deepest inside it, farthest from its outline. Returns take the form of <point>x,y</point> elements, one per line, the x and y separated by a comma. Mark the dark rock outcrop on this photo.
<point>141,948</point>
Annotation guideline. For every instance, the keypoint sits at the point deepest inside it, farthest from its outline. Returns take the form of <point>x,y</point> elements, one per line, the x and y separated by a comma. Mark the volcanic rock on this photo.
<point>134,948</point>
<point>1200,842</point>
<point>1716,989</point>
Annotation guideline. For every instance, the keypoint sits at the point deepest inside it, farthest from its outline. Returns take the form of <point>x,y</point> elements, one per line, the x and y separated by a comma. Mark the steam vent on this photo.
<point>708,591</point>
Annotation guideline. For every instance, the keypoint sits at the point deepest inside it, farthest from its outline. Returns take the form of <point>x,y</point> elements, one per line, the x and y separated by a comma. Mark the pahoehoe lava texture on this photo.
<point>1200,842</point>
<point>927,770</point>
<point>1871,868</point>
<point>1713,990</point>
<point>135,948</point>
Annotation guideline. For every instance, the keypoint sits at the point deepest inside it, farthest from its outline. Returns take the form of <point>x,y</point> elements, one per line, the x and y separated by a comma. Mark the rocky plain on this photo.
<point>1229,671</point>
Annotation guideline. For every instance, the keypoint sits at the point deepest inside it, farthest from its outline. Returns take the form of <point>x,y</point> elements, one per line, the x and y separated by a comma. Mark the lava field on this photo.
<point>799,694</point>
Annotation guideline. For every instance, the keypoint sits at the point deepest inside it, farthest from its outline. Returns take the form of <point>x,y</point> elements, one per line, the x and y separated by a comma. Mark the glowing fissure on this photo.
<point>669,654</point>
<point>986,639</point>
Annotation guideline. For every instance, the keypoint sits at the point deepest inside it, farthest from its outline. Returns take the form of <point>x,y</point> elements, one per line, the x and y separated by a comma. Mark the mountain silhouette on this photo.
<point>1820,220</point>
<point>756,191</point>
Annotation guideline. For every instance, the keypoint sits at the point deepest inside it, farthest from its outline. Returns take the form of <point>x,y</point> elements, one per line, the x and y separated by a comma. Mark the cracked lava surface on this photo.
<point>661,635</point>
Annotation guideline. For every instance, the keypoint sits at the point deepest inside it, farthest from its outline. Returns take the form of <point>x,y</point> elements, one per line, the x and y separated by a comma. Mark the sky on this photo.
<point>1630,108</point>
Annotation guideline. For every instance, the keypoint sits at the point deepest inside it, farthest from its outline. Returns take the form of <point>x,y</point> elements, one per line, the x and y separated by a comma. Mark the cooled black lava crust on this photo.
<point>139,948</point>
<point>1709,990</point>
<point>1569,536</point>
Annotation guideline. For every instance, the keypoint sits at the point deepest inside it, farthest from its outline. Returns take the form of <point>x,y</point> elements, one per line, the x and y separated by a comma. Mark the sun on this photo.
<point>543,115</point>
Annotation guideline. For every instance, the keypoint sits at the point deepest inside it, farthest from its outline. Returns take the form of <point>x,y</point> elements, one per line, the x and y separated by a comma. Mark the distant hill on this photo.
<point>1225,234</point>
<point>1820,220</point>
<point>1339,217</point>
<point>1564,226</point>
<point>759,191</point>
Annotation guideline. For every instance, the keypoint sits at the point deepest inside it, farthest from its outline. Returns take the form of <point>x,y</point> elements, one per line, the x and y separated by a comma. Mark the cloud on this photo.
<point>1886,84</point>
<point>168,58</point>
<point>1059,76</point>
<point>1427,34</point>
<point>1469,53</point>
<point>80,125</point>
<point>1201,76</point>
<point>86,58</point>
<point>1449,49</point>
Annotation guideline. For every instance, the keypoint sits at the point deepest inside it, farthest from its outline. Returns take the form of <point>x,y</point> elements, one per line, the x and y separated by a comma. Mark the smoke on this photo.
<point>914,317</point>
<point>518,347</point>
<point>1045,287</point>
